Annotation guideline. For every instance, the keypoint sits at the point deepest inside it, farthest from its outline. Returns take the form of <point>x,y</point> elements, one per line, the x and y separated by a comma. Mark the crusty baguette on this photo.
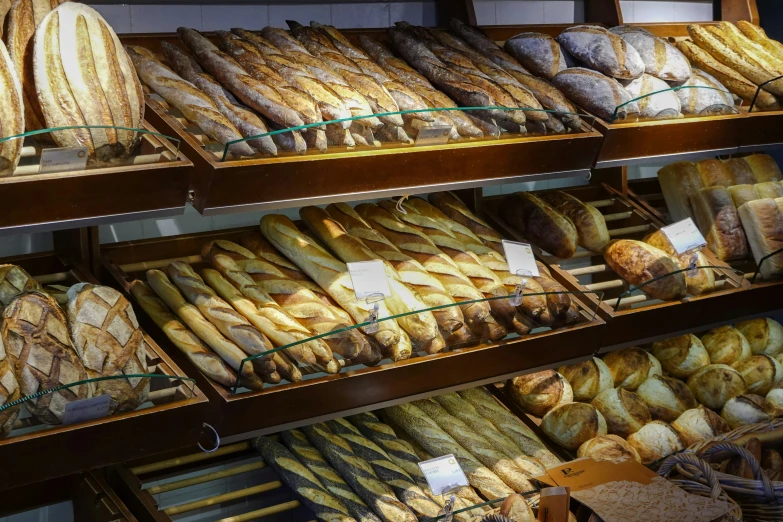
<point>11,115</point>
<point>758,35</point>
<point>540,223</point>
<point>589,222</point>
<point>455,209</point>
<point>717,219</point>
<point>180,336</point>
<point>763,223</point>
<point>749,49</point>
<point>302,481</point>
<point>639,263</point>
<point>192,317</point>
<point>229,322</point>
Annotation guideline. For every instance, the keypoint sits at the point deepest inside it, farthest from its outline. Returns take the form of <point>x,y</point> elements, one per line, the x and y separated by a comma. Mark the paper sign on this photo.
<point>434,135</point>
<point>520,258</point>
<point>369,278</point>
<point>684,236</point>
<point>443,474</point>
<point>87,409</point>
<point>63,159</point>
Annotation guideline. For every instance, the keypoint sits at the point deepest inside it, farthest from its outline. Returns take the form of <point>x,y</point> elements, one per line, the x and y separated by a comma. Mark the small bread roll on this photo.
<point>587,379</point>
<point>655,441</point>
<point>681,356</point>
<point>747,409</point>
<point>667,398</point>
<point>764,335</point>
<point>631,367</point>
<point>517,509</point>
<point>624,411</point>
<point>775,396</point>
<point>699,424</point>
<point>713,385</point>
<point>571,425</point>
<point>608,447</point>
<point>761,372</point>
<point>537,393</point>
<point>726,345</point>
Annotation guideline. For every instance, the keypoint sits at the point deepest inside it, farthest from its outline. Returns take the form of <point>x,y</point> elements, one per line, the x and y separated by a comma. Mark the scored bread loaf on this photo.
<point>700,282</point>
<point>661,59</point>
<point>571,425</point>
<point>589,222</point>
<point>188,343</point>
<point>603,51</point>
<point>34,333</point>
<point>678,182</point>
<point>14,280</point>
<point>726,345</point>
<point>538,52</point>
<point>9,392</point>
<point>653,97</point>
<point>540,223</point>
<point>719,222</point>
<point>596,92</point>
<point>747,48</point>
<point>639,263</point>
<point>11,115</point>
<point>763,223</point>
<point>696,99</point>
<point>302,481</point>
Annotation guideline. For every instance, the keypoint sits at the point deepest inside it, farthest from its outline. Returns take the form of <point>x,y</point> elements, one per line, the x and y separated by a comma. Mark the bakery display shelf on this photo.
<point>647,194</point>
<point>763,131</point>
<point>638,318</point>
<point>355,388</point>
<point>175,408</point>
<point>151,184</point>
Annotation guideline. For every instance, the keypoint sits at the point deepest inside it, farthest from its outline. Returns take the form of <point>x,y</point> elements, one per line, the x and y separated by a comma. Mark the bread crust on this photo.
<point>638,263</point>
<point>589,222</point>
<point>719,222</point>
<point>596,92</point>
<point>540,223</point>
<point>603,51</point>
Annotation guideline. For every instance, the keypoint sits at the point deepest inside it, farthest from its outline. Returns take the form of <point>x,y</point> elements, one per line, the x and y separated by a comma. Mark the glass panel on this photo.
<point>671,113</point>
<point>758,91</point>
<point>762,261</point>
<point>492,504</point>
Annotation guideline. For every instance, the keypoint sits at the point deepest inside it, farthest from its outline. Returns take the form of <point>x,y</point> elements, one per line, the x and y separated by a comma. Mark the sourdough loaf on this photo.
<point>603,51</point>
<point>540,223</point>
<point>717,219</point>
<point>763,223</point>
<point>661,59</point>
<point>704,94</point>
<point>14,281</point>
<point>654,98</point>
<point>726,345</point>
<point>589,222</point>
<point>637,263</point>
<point>11,115</point>
<point>764,167</point>
<point>538,52</point>
<point>596,92</point>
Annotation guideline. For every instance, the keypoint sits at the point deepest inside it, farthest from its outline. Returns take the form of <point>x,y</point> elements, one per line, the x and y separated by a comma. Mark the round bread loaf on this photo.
<point>631,367</point>
<point>537,393</point>
<point>726,345</point>
<point>517,508</point>
<point>667,398</point>
<point>760,372</point>
<point>588,378</point>
<point>775,396</point>
<point>641,264</point>
<point>608,447</point>
<point>624,411</point>
<point>764,335</point>
<point>571,425</point>
<point>654,98</point>
<point>681,356</point>
<point>698,424</point>
<point>715,384</point>
<point>747,409</point>
<point>655,441</point>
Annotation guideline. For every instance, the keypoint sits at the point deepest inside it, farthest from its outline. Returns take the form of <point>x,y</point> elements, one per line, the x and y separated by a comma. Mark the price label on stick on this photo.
<point>443,474</point>
<point>433,135</point>
<point>369,279</point>
<point>684,236</point>
<point>87,409</point>
<point>64,159</point>
<point>520,258</point>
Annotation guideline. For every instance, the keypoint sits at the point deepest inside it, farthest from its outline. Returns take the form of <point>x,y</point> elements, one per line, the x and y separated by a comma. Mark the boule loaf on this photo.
<point>656,441</point>
<point>761,372</point>
<point>640,264</point>
<point>537,393</point>
<point>624,411</point>
<point>537,52</point>
<point>596,92</point>
<point>696,99</point>
<point>667,398</point>
<point>588,378</point>
<point>719,222</point>
<point>589,222</point>
<point>775,396</point>
<point>765,335</point>
<point>11,115</point>
<point>14,280</point>
<point>661,59</point>
<point>715,384</point>
<point>83,76</point>
<point>107,338</point>
<point>747,409</point>
<point>571,425</point>
<point>654,98</point>
<point>631,367</point>
<point>703,280</point>
<point>603,51</point>
<point>540,223</point>
<point>726,345</point>
<point>682,355</point>
<point>698,424</point>
<point>762,220</point>
<point>34,332</point>
<point>608,447</point>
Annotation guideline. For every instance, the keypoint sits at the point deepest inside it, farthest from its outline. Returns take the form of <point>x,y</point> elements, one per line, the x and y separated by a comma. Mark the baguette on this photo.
<point>763,223</point>
<point>758,35</point>
<point>741,194</point>
<point>186,341</point>
<point>589,222</point>
<point>230,323</point>
<point>302,481</point>
<point>540,223</point>
<point>749,49</point>
<point>703,281</point>
<point>359,474</point>
<point>307,454</point>
<point>717,219</point>
<point>11,115</point>
<point>194,320</point>
<point>639,263</point>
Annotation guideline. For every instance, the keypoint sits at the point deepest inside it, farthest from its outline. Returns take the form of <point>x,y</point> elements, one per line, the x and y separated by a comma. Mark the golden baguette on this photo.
<point>192,317</point>
<point>750,49</point>
<point>186,341</point>
<point>11,115</point>
<point>758,35</point>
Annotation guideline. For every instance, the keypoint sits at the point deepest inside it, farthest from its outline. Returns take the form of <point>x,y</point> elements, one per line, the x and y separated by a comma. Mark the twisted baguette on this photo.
<point>422,428</point>
<point>359,474</point>
<point>188,343</point>
<point>205,330</point>
<point>302,481</point>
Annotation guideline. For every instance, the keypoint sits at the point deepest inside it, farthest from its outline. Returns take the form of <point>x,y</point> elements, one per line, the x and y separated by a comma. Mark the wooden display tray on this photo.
<point>156,186</point>
<point>36,455</point>
<point>352,389</point>
<point>642,319</point>
<point>763,130</point>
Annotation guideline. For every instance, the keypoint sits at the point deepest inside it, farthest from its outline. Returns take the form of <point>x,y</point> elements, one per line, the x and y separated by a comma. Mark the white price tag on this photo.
<point>369,279</point>
<point>520,258</point>
<point>684,236</point>
<point>443,474</point>
<point>63,159</point>
<point>87,409</point>
<point>433,135</point>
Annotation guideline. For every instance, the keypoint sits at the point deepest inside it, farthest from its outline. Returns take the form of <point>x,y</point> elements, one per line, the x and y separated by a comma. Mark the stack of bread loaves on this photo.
<point>43,346</point>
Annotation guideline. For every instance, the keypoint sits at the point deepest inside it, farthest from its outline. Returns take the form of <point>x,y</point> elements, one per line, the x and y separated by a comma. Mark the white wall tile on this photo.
<point>653,11</point>
<point>692,11</point>
<point>559,11</point>
<point>627,9</point>
<point>164,18</point>
<point>118,16</point>
<point>350,16</point>
<point>520,12</point>
<point>485,12</point>
<point>417,13</point>
<point>226,17</point>
<point>278,14</point>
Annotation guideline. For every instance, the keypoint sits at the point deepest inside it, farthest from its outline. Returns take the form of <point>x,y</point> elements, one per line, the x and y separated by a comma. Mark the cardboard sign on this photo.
<point>443,474</point>
<point>64,159</point>
<point>369,279</point>
<point>520,258</point>
<point>684,236</point>
<point>87,409</point>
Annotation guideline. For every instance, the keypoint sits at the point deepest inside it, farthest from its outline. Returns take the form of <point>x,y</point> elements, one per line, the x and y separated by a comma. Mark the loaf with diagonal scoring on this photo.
<point>9,392</point>
<point>107,338</point>
<point>14,280</point>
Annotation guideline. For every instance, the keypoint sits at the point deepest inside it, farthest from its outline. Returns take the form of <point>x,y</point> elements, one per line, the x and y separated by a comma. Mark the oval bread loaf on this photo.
<point>726,345</point>
<point>661,59</point>
<point>537,52</point>
<point>588,378</point>
<point>715,384</point>
<point>540,223</point>
<point>703,280</point>
<point>624,411</point>
<point>654,98</point>
<point>603,51</point>
<point>591,230</point>
<point>704,94</point>
<point>608,447</point>
<point>681,356</point>
<point>765,335</point>
<point>747,409</point>
<point>698,424</point>
<point>655,441</point>
<point>596,92</point>
<point>571,425</point>
<point>667,398</point>
<point>638,263</point>
<point>761,372</point>
<point>11,115</point>
<point>537,393</point>
<point>631,367</point>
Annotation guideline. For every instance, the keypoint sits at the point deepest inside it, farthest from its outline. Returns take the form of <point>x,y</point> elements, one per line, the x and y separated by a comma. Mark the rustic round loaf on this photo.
<point>747,409</point>
<point>654,98</point>
<point>655,441</point>
<point>666,397</point>
<point>681,356</point>
<point>631,367</point>
<point>700,282</point>
<point>764,335</point>
<point>760,372</point>
<point>570,425</point>
<point>638,263</point>
<point>35,335</point>
<point>715,100</point>
<point>537,393</point>
<point>107,338</point>
<point>661,59</point>
<point>624,411</point>
<point>726,345</point>
<point>603,51</point>
<point>517,508</point>
<point>539,53</point>
<point>775,396</point>
<point>698,424</point>
<point>14,281</point>
<point>588,378</point>
<point>608,447</point>
<point>715,384</point>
